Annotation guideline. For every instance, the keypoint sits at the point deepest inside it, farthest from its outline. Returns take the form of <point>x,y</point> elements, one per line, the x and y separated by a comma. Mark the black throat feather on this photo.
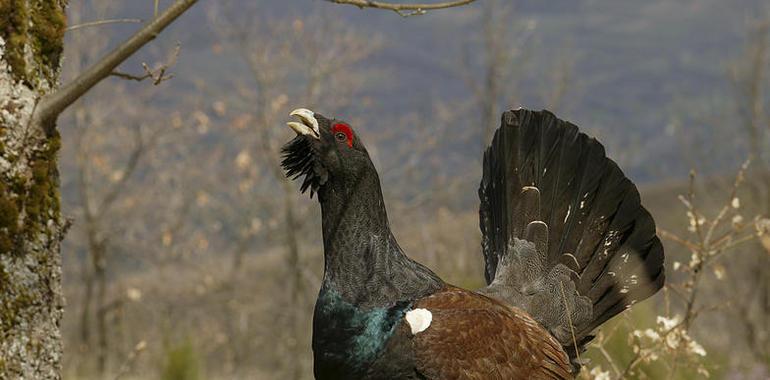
<point>299,159</point>
<point>362,260</point>
<point>368,282</point>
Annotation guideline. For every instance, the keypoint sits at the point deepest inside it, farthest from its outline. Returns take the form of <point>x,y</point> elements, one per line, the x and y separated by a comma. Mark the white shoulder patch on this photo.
<point>419,320</point>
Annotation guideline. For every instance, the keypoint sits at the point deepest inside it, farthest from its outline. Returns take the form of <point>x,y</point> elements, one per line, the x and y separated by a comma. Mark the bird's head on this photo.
<point>324,151</point>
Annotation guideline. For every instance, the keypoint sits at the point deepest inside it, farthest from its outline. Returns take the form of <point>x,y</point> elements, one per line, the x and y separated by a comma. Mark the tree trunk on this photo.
<point>31,226</point>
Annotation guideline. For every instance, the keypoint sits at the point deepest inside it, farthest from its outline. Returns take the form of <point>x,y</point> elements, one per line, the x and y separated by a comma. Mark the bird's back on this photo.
<point>472,336</point>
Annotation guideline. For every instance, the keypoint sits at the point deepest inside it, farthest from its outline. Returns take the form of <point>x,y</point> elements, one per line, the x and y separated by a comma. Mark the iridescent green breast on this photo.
<point>347,339</point>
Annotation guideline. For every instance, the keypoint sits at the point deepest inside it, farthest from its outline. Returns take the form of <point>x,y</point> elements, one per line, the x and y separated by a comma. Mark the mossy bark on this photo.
<point>31,226</point>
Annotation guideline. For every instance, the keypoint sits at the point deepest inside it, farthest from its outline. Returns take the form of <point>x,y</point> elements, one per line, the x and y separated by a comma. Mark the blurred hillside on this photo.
<point>634,65</point>
<point>201,315</point>
<point>191,256</point>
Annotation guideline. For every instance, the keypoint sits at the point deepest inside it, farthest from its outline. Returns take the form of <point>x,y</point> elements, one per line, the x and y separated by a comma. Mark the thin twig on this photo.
<point>403,10</point>
<point>51,105</point>
<point>696,216</point>
<point>609,360</point>
<point>735,243</point>
<point>677,291</point>
<point>158,75</point>
<point>675,238</point>
<point>104,22</point>
<point>128,364</point>
<point>728,204</point>
<point>128,76</point>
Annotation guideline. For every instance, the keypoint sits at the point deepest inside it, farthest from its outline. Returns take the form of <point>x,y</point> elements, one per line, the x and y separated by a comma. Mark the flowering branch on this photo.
<point>670,339</point>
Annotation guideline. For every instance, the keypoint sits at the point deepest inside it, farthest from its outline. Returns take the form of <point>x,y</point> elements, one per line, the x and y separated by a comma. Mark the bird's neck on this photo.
<point>362,260</point>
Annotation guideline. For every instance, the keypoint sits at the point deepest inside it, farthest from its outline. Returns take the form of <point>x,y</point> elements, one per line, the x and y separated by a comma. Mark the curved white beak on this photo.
<point>308,125</point>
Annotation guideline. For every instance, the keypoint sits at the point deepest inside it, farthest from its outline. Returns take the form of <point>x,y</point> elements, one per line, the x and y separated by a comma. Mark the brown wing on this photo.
<point>475,337</point>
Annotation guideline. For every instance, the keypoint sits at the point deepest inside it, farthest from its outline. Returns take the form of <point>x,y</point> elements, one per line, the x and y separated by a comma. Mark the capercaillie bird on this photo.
<point>566,243</point>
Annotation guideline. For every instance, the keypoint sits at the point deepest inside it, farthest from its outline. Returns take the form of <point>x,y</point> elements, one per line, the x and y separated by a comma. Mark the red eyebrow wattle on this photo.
<point>344,128</point>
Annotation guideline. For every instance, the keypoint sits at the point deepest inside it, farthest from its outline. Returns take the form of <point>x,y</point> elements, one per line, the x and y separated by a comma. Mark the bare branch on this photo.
<point>53,104</point>
<point>104,22</point>
<point>675,238</point>
<point>403,9</point>
<point>158,75</point>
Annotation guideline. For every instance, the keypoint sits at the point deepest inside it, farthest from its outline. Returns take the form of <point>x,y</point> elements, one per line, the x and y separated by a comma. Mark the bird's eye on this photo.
<point>343,133</point>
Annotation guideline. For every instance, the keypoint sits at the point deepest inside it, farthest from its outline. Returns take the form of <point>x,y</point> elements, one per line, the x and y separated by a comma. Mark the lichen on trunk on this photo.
<point>31,226</point>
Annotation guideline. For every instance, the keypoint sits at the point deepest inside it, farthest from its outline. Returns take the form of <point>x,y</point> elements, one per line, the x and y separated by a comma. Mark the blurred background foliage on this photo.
<point>191,256</point>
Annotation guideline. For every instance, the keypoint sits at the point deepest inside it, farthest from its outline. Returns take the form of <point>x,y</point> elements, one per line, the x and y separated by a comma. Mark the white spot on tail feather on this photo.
<point>419,320</point>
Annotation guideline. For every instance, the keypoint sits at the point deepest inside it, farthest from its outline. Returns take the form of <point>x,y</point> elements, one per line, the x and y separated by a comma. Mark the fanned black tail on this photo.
<point>564,233</point>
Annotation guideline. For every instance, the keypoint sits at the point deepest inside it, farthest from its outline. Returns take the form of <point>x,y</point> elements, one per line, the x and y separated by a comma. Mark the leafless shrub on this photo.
<point>669,344</point>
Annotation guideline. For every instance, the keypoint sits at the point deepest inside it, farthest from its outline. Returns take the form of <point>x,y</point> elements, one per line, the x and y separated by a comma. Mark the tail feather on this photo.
<point>597,241</point>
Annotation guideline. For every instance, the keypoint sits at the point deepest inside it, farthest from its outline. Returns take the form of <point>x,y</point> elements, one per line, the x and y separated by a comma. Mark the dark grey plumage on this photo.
<point>368,282</point>
<point>565,241</point>
<point>563,225</point>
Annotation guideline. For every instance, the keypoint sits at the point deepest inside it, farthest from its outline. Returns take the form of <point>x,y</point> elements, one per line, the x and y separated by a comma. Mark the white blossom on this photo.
<point>598,374</point>
<point>694,260</point>
<point>696,348</point>
<point>134,294</point>
<point>672,341</point>
<point>652,334</point>
<point>669,323</point>
<point>719,272</point>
